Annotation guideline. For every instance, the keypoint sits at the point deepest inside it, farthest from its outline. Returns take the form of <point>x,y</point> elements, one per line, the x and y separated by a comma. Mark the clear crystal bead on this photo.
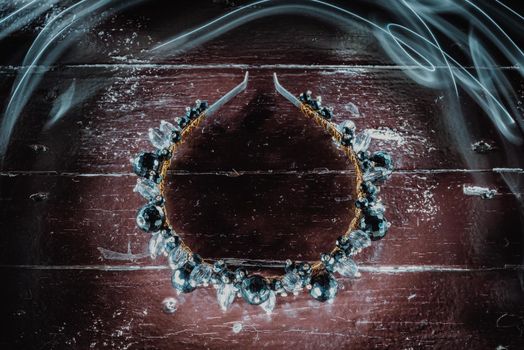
<point>346,267</point>
<point>169,305</point>
<point>156,245</point>
<point>362,141</point>
<point>159,139</point>
<point>353,109</point>
<point>177,257</point>
<point>376,174</point>
<point>269,304</point>
<point>147,189</point>
<point>226,295</point>
<point>200,274</point>
<point>346,125</point>
<point>359,240</point>
<point>167,128</point>
<point>292,282</point>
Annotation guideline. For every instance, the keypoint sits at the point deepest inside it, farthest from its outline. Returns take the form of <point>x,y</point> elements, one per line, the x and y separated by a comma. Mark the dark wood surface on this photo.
<point>257,184</point>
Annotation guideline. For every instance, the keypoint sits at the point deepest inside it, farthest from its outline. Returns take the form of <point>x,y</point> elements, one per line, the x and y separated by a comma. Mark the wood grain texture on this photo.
<point>257,183</point>
<point>97,309</point>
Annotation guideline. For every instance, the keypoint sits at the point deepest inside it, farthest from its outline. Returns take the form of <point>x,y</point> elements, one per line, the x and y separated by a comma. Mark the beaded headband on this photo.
<point>191,271</point>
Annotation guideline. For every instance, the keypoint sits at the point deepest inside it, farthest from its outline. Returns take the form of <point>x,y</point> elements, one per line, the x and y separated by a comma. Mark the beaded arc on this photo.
<point>191,271</point>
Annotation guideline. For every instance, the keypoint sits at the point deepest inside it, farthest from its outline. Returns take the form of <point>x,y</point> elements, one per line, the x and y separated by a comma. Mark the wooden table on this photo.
<point>258,183</point>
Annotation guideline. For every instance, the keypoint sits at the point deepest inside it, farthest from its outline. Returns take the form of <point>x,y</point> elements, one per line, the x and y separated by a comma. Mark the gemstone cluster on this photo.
<point>190,271</point>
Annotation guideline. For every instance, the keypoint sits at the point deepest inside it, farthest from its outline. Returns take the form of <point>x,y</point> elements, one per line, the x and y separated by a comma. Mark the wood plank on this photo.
<point>126,36</point>
<point>97,309</point>
<point>66,220</point>
<point>104,131</point>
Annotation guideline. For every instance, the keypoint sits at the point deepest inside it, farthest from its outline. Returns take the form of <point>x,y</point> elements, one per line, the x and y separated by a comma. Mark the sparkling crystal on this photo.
<point>292,282</point>
<point>255,290</point>
<point>147,189</point>
<point>347,127</point>
<point>167,128</point>
<point>376,174</point>
<point>159,139</point>
<point>156,245</point>
<point>180,279</point>
<point>361,141</point>
<point>324,286</point>
<point>237,327</point>
<point>177,257</point>
<point>269,304</point>
<point>376,225</point>
<point>382,159</point>
<point>226,295</point>
<point>346,267</point>
<point>169,305</point>
<point>201,274</point>
<point>150,218</point>
<point>145,163</point>
<point>353,109</point>
<point>359,240</point>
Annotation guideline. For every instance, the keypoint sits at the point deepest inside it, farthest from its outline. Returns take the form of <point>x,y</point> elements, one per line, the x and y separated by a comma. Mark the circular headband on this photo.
<point>191,271</point>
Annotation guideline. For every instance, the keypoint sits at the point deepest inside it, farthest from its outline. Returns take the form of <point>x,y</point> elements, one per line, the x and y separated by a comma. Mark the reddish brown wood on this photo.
<point>258,183</point>
<point>103,309</point>
<point>429,213</point>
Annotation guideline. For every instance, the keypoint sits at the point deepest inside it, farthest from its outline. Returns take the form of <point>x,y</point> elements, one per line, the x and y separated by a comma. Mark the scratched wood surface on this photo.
<point>256,184</point>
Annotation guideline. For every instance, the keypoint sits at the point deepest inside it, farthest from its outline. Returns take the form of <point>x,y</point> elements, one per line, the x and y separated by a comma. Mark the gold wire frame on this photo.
<point>330,128</point>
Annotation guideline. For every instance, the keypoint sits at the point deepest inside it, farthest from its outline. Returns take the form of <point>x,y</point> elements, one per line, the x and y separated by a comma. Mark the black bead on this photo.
<point>344,243</point>
<point>183,121</point>
<point>375,224</point>
<point>326,113</point>
<point>203,106</point>
<point>255,290</point>
<point>346,139</point>
<point>382,159</point>
<point>323,286</point>
<point>145,163</point>
<point>150,218</point>
<point>362,203</point>
<point>176,136</point>
<point>370,190</point>
<point>181,280</point>
<point>276,285</point>
<point>193,113</point>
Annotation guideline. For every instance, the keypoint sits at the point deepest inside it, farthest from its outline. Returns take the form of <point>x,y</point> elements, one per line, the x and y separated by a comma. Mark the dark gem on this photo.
<point>323,286</point>
<point>363,155</point>
<point>180,279</point>
<point>176,136</point>
<point>172,242</point>
<point>326,113</point>
<point>255,290</point>
<point>150,218</point>
<point>344,243</point>
<point>219,266</point>
<point>227,277</point>
<point>203,105</point>
<point>375,224</point>
<point>361,203</point>
<point>346,139</point>
<point>370,190</point>
<point>382,159</point>
<point>183,122</point>
<point>193,113</point>
<point>315,105</point>
<point>196,259</point>
<point>276,285</point>
<point>145,163</point>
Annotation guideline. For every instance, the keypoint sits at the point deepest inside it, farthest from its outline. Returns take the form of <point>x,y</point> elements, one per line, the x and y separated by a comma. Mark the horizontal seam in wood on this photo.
<point>235,173</point>
<point>244,66</point>
<point>384,269</point>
